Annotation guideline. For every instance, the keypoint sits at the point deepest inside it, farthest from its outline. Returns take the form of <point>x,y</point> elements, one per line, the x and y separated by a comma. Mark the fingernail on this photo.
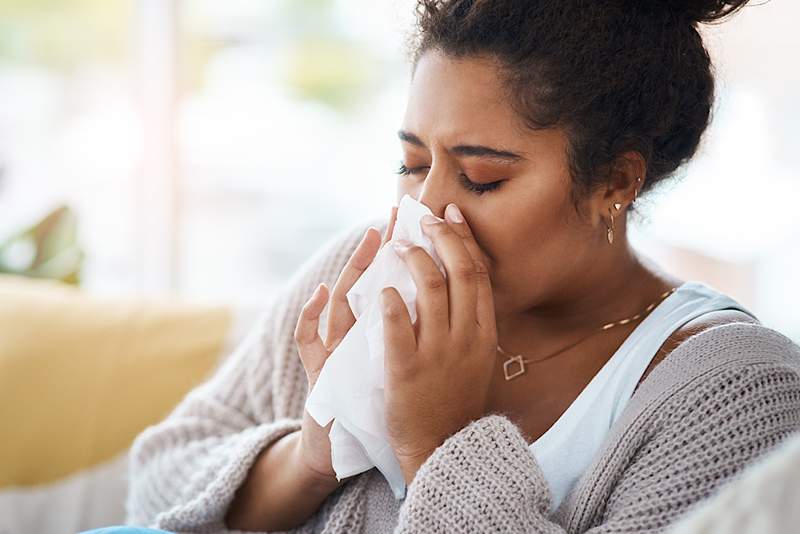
<point>430,219</point>
<point>453,213</point>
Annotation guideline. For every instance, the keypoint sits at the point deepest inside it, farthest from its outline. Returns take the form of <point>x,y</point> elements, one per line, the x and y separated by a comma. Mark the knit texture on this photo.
<point>720,400</point>
<point>762,500</point>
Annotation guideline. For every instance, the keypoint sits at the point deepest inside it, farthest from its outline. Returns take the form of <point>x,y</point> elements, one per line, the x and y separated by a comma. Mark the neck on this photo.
<point>613,288</point>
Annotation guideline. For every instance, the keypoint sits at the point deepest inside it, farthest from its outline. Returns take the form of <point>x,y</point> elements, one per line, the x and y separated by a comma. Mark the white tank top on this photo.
<point>565,451</point>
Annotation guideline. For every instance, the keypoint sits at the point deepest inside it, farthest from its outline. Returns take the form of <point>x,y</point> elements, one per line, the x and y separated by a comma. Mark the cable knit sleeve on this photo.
<point>184,471</point>
<point>689,440</point>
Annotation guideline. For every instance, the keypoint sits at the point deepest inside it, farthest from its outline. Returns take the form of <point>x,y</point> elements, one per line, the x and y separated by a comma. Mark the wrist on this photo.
<point>311,478</point>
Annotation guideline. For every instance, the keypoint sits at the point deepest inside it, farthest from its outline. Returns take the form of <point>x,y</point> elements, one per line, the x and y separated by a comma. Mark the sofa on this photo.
<point>80,377</point>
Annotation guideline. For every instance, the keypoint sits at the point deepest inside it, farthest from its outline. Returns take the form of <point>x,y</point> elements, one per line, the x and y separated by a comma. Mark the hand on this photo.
<point>438,370</point>
<point>315,445</point>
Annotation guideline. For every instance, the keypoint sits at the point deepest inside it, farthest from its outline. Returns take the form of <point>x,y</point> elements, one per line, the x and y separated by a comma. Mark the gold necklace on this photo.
<point>520,361</point>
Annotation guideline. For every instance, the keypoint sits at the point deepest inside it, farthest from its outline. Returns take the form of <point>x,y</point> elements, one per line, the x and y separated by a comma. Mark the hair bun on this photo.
<point>705,11</point>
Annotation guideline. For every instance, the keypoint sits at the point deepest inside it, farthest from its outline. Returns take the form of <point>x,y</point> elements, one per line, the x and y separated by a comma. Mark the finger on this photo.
<point>399,340</point>
<point>461,227</point>
<point>306,334</point>
<point>461,273</point>
<point>485,297</point>
<point>387,236</point>
<point>432,304</point>
<point>340,316</point>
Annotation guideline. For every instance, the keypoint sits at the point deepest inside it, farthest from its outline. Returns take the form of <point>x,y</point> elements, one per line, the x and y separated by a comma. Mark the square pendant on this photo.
<point>508,367</point>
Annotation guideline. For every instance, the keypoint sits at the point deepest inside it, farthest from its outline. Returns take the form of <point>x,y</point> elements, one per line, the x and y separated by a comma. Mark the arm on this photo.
<point>484,477</point>
<point>185,471</point>
<point>279,493</point>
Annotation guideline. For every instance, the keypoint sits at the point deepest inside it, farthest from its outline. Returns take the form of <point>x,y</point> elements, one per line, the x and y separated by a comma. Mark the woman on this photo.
<point>555,380</point>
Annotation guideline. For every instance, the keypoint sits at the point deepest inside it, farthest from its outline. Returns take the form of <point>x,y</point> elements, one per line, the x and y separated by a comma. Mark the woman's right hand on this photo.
<point>314,443</point>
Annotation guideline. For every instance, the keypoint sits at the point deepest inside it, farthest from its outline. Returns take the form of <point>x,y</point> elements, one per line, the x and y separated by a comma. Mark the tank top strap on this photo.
<point>566,449</point>
<point>689,301</point>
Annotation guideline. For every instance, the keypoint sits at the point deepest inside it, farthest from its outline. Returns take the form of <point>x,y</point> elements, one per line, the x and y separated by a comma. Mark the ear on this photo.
<point>627,176</point>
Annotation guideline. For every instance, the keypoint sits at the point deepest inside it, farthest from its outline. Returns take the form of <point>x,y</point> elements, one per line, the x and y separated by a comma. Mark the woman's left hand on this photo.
<point>438,370</point>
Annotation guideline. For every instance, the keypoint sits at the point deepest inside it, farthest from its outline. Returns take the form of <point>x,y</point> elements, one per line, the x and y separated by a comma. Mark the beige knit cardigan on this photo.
<point>724,397</point>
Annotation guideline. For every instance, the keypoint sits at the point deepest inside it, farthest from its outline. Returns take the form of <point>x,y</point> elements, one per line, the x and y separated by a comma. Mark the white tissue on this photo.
<point>349,389</point>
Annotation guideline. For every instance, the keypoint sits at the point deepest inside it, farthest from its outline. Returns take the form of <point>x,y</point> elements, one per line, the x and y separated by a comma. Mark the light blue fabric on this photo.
<point>567,449</point>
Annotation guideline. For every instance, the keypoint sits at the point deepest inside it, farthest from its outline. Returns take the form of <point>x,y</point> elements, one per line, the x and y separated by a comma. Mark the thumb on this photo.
<point>306,335</point>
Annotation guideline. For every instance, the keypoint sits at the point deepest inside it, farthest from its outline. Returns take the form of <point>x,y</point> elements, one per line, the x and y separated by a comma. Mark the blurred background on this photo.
<point>194,142</point>
<point>207,148</point>
<point>202,150</point>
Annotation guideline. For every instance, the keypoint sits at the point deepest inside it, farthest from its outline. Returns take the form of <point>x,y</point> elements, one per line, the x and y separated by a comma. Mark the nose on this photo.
<point>436,191</point>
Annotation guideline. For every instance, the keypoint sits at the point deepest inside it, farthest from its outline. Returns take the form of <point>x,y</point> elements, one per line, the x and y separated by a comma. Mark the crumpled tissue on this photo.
<point>350,387</point>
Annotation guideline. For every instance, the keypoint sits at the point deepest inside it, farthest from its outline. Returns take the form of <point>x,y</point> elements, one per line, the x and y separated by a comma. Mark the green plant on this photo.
<point>48,249</point>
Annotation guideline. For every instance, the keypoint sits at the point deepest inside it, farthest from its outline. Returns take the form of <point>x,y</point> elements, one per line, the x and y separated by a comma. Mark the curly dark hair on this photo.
<point>617,75</point>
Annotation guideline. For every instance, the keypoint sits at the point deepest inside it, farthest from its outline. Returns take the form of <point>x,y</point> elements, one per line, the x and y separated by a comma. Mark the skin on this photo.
<point>525,270</point>
<point>554,276</point>
<point>291,477</point>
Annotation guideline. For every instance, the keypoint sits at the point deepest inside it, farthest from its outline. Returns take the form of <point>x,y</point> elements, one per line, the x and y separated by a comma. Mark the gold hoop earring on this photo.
<point>636,190</point>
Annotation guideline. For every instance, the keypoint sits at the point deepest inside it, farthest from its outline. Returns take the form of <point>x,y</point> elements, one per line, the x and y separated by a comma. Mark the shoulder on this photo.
<point>722,345</point>
<point>728,384</point>
<point>726,394</point>
<point>694,327</point>
<point>732,333</point>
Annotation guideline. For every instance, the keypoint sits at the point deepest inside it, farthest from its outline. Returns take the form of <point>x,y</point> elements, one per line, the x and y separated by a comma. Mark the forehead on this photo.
<point>458,99</point>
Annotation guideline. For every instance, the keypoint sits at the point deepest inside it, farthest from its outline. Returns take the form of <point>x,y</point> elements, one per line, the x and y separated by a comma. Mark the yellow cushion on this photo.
<point>81,376</point>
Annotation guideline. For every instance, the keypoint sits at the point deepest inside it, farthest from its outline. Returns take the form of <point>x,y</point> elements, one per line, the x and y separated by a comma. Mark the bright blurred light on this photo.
<point>285,118</point>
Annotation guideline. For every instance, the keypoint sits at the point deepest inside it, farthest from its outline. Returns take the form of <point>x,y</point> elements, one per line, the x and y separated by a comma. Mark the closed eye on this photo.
<point>469,185</point>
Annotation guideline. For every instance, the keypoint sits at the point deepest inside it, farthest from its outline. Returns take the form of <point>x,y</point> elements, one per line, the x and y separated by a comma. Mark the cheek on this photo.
<point>500,242</point>
<point>511,249</point>
<point>521,245</point>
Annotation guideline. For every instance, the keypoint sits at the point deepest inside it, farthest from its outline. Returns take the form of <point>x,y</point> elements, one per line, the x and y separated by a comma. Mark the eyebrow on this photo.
<point>477,151</point>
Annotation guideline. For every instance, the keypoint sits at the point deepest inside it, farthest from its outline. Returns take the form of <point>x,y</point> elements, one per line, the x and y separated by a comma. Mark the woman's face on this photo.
<point>460,135</point>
